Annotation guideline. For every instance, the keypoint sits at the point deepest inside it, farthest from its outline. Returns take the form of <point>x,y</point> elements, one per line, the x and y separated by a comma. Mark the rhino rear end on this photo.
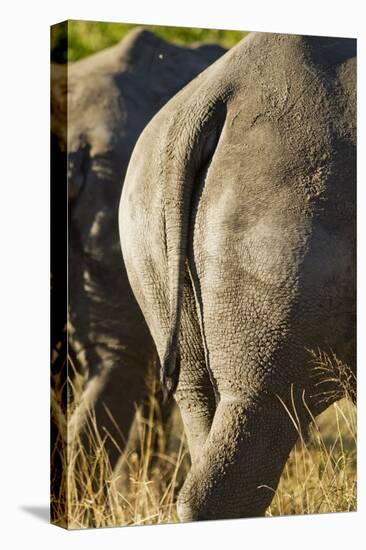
<point>142,234</point>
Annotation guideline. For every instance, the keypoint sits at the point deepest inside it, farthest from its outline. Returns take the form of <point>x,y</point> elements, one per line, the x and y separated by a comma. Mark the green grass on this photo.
<point>87,37</point>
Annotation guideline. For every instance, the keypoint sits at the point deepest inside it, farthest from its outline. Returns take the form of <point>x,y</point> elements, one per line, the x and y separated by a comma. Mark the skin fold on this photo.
<point>237,223</point>
<point>109,98</point>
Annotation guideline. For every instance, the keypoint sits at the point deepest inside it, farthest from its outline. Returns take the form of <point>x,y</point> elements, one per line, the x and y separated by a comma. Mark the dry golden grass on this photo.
<point>320,474</point>
<point>88,494</point>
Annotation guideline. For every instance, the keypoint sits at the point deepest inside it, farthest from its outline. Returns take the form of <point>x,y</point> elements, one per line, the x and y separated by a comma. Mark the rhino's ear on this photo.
<point>59,102</point>
<point>78,159</point>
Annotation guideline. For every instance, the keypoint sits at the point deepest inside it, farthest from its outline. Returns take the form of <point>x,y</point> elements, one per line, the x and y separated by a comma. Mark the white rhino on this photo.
<point>237,223</point>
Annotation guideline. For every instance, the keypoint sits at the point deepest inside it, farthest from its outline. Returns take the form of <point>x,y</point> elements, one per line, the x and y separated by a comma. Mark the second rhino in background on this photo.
<point>111,96</point>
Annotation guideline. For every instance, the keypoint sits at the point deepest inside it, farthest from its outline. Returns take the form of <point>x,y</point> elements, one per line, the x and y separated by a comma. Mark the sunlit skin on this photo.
<point>237,223</point>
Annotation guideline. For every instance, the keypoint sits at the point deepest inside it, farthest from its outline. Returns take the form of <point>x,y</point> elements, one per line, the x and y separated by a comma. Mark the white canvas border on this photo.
<point>25,271</point>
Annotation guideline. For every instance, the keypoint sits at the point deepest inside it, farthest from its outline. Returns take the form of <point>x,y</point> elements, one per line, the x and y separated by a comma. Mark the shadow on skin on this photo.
<point>40,512</point>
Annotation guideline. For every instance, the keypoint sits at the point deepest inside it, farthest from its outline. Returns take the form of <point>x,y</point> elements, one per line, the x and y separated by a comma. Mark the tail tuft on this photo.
<point>169,375</point>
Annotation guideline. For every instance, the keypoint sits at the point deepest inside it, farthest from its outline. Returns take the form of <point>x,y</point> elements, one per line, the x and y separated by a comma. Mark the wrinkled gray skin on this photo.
<point>237,223</point>
<point>112,96</point>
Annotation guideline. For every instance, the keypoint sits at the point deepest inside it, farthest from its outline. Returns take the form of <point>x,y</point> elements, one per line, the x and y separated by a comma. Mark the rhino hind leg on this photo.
<point>241,461</point>
<point>194,395</point>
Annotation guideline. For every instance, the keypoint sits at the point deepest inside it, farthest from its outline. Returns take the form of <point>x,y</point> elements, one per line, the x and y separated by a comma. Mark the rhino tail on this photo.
<point>186,157</point>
